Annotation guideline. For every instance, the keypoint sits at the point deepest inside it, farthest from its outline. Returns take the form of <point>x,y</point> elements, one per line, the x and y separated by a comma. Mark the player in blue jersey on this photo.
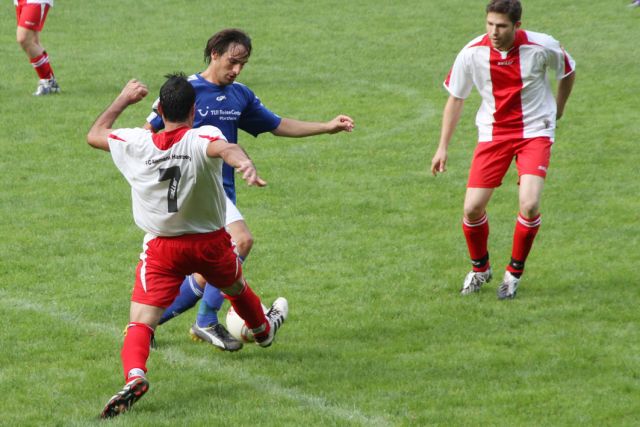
<point>229,105</point>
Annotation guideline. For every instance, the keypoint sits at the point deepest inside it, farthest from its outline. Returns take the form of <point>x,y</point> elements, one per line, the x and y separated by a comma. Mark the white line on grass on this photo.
<point>177,357</point>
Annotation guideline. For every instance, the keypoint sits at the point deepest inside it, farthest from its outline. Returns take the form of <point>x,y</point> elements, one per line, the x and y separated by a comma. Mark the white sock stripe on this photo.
<point>194,286</point>
<point>42,61</point>
<point>531,224</point>
<point>477,223</point>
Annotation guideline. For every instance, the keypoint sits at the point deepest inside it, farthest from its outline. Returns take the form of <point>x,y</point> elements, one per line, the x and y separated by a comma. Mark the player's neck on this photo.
<point>170,126</point>
<point>210,76</point>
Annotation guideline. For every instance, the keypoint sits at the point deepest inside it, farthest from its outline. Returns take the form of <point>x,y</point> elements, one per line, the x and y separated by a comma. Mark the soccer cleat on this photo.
<point>635,3</point>
<point>125,398</point>
<point>474,281</point>
<point>508,287</point>
<point>47,87</point>
<point>276,316</point>
<point>216,335</point>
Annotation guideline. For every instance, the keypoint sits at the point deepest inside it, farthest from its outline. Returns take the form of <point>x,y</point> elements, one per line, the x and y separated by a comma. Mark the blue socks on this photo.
<point>189,295</point>
<point>209,307</point>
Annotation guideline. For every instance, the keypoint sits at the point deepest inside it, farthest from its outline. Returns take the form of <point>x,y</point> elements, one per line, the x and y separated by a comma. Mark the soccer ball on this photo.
<point>237,327</point>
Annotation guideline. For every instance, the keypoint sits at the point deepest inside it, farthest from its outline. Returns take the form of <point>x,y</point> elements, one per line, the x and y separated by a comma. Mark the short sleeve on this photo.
<point>459,82</point>
<point>256,118</point>
<point>559,60</point>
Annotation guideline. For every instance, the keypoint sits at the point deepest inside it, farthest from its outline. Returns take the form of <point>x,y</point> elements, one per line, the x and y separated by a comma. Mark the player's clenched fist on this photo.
<point>134,91</point>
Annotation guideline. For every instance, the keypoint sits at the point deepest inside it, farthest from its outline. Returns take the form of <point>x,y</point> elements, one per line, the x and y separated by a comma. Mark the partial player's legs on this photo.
<point>475,226</point>
<point>31,18</point>
<point>527,226</point>
<point>207,328</point>
<point>135,352</point>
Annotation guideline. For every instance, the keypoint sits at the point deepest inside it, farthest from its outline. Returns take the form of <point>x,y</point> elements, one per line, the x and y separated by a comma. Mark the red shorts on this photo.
<point>167,260</point>
<point>491,160</point>
<point>31,16</point>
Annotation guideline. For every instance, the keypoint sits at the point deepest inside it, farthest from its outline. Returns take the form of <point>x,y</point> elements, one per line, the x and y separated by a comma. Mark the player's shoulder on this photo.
<point>541,39</point>
<point>211,133</point>
<point>477,42</point>
<point>129,134</point>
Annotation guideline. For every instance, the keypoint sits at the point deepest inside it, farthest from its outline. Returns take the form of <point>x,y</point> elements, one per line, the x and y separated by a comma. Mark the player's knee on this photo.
<point>529,208</point>
<point>23,40</point>
<point>473,212</point>
<point>244,243</point>
<point>201,281</point>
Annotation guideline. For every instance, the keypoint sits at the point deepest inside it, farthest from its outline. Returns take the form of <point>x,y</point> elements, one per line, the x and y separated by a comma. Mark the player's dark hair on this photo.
<point>219,42</point>
<point>177,97</point>
<point>511,8</point>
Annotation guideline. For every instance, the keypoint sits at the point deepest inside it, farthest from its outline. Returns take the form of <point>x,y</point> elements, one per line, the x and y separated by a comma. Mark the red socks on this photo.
<point>248,306</point>
<point>477,234</point>
<point>523,236</point>
<point>41,65</point>
<point>135,350</point>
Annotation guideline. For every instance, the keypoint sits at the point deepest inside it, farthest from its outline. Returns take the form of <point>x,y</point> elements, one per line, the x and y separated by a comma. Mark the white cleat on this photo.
<point>508,287</point>
<point>47,87</point>
<point>276,316</point>
<point>474,281</point>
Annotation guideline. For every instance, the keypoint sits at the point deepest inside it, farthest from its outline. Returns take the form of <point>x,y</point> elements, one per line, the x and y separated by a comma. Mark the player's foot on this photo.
<point>125,398</point>
<point>47,87</point>
<point>276,316</point>
<point>508,287</point>
<point>474,281</point>
<point>216,335</point>
<point>634,4</point>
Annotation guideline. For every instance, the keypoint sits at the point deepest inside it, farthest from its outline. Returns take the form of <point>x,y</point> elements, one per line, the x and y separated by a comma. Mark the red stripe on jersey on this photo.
<point>114,136</point>
<point>506,78</point>
<point>567,63</point>
<point>166,140</point>
<point>210,138</point>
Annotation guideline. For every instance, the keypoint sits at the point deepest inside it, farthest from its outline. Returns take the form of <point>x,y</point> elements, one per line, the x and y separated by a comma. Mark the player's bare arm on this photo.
<point>564,90</point>
<point>450,118</point>
<point>297,128</point>
<point>236,157</point>
<point>133,92</point>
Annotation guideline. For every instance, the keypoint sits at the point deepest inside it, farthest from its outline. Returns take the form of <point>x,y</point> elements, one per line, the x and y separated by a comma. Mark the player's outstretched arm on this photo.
<point>564,90</point>
<point>236,157</point>
<point>297,128</point>
<point>450,118</point>
<point>98,135</point>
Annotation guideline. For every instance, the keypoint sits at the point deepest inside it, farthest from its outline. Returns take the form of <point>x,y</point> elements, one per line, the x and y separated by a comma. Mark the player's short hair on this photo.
<point>511,8</point>
<point>219,42</point>
<point>177,97</point>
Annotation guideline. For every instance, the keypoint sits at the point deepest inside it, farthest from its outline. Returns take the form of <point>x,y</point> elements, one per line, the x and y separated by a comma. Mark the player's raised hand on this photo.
<point>341,123</point>
<point>134,91</point>
<point>439,162</point>
<point>250,174</point>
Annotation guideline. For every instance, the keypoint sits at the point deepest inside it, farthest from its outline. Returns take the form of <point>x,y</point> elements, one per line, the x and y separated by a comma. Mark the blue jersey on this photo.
<point>227,108</point>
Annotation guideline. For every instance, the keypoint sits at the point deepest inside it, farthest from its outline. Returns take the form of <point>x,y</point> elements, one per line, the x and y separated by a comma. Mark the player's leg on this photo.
<point>31,18</point>
<point>207,327</point>
<point>155,287</point>
<point>532,162</point>
<point>226,273</point>
<point>475,226</point>
<point>489,165</point>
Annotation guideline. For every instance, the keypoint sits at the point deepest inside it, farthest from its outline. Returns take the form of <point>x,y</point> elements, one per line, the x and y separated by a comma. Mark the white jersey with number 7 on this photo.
<point>176,188</point>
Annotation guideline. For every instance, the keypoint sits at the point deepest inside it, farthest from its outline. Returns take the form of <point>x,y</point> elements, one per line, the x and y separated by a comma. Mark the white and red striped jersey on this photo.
<point>49,2</point>
<point>517,101</point>
<point>175,187</point>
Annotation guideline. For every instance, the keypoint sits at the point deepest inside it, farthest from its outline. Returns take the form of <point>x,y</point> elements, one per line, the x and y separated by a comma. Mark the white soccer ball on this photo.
<point>237,327</point>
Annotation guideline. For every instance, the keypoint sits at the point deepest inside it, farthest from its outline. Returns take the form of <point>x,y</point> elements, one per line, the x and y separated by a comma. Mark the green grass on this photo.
<point>352,229</point>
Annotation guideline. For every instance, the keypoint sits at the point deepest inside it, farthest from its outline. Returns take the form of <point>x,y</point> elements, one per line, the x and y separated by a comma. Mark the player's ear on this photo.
<point>160,110</point>
<point>518,24</point>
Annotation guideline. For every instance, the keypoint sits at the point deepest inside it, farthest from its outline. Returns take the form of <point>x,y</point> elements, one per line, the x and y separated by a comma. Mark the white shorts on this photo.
<point>233,214</point>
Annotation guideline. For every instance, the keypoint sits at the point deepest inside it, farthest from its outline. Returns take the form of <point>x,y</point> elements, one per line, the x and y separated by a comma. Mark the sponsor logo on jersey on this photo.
<point>505,63</point>
<point>221,98</point>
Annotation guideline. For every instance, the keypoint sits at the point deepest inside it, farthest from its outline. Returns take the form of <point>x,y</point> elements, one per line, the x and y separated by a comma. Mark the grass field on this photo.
<point>352,228</point>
